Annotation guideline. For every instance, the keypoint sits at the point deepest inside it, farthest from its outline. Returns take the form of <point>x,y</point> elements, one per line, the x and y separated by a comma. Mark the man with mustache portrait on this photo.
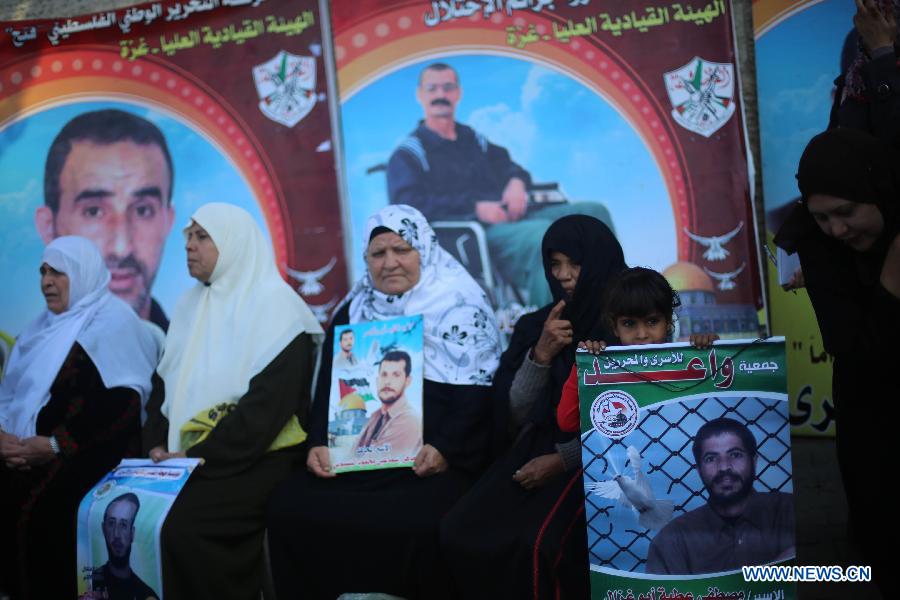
<point>738,526</point>
<point>108,177</point>
<point>395,429</point>
<point>450,172</point>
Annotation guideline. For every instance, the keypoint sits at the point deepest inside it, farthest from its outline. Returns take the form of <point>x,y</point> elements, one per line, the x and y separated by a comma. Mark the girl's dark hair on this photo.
<point>637,292</point>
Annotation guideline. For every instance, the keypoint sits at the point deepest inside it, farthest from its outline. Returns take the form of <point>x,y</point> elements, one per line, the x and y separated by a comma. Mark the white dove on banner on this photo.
<point>715,245</point>
<point>634,493</point>
<point>309,280</point>
<point>320,311</point>
<point>726,280</point>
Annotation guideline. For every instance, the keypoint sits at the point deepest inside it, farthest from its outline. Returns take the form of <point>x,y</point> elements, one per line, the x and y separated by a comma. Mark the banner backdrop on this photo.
<point>156,110</point>
<point>119,523</point>
<point>628,111</point>
<point>799,52</point>
<point>670,435</point>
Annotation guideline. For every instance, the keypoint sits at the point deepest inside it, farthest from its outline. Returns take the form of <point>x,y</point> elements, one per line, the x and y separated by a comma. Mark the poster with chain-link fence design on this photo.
<point>692,446</point>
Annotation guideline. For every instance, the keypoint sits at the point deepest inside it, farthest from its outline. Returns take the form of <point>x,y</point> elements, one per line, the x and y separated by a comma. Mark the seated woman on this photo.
<point>846,230</point>
<point>236,368</point>
<point>70,408</point>
<point>520,532</point>
<point>377,531</point>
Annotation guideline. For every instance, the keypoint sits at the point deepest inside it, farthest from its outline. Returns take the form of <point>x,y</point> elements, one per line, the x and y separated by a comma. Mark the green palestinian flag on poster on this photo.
<point>687,469</point>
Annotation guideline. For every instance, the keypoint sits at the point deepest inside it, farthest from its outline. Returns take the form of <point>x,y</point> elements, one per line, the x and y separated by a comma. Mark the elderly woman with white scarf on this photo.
<point>377,531</point>
<point>70,408</point>
<point>237,371</point>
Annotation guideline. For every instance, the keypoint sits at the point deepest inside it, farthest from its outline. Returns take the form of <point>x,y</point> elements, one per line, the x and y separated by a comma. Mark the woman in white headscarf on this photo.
<point>237,369</point>
<point>70,407</point>
<point>377,531</point>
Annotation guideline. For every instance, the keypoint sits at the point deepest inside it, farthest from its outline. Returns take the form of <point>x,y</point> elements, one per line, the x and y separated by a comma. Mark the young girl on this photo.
<point>639,308</point>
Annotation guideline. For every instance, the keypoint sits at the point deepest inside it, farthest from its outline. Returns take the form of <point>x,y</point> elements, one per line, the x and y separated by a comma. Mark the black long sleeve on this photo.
<point>241,437</point>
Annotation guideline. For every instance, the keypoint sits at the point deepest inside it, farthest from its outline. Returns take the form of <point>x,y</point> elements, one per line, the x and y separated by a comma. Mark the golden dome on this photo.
<point>686,276</point>
<point>352,401</point>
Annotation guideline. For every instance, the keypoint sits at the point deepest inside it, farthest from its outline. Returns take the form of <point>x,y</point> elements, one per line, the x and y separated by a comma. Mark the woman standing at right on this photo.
<point>846,230</point>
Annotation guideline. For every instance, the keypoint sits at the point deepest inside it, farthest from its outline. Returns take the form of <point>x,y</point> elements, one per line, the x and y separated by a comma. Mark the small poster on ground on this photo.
<point>119,524</point>
<point>375,406</point>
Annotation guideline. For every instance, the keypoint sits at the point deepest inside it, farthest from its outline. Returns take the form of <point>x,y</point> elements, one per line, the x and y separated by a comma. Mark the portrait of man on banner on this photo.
<point>494,160</point>
<point>687,456</point>
<point>110,171</point>
<point>738,525</point>
<point>451,172</point>
<point>109,177</point>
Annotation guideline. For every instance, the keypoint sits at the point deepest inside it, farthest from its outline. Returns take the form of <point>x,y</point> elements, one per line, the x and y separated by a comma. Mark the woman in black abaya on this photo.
<point>846,230</point>
<point>520,532</point>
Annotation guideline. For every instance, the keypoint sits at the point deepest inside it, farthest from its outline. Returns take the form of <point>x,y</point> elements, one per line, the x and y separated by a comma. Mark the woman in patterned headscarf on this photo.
<point>376,531</point>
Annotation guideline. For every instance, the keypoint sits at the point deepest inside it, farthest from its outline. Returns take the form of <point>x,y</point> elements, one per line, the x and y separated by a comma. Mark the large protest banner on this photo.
<point>157,109</point>
<point>119,524</point>
<point>687,469</point>
<point>801,47</point>
<point>627,111</point>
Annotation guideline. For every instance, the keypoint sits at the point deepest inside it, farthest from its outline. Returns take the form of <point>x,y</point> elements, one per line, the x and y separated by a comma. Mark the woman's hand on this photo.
<point>429,461</point>
<point>557,334</point>
<point>538,471</point>
<point>890,270</point>
<point>877,30</point>
<point>25,453</point>
<point>10,450</point>
<point>318,462</point>
<point>795,282</point>
<point>703,340</point>
<point>159,454</point>
<point>9,444</point>
<point>592,346</point>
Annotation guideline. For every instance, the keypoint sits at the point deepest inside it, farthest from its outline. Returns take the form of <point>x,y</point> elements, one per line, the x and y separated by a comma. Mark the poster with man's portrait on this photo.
<point>375,404</point>
<point>119,524</point>
<point>687,467</point>
<point>117,126</point>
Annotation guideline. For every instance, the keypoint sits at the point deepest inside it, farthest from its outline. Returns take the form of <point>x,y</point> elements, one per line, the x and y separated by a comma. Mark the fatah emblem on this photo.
<point>286,85</point>
<point>702,95</point>
<point>726,280</point>
<point>309,280</point>
<point>715,245</point>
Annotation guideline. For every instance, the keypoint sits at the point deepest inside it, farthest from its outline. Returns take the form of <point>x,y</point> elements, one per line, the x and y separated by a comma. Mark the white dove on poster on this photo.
<point>635,493</point>
<point>715,245</point>
<point>309,280</point>
<point>726,280</point>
